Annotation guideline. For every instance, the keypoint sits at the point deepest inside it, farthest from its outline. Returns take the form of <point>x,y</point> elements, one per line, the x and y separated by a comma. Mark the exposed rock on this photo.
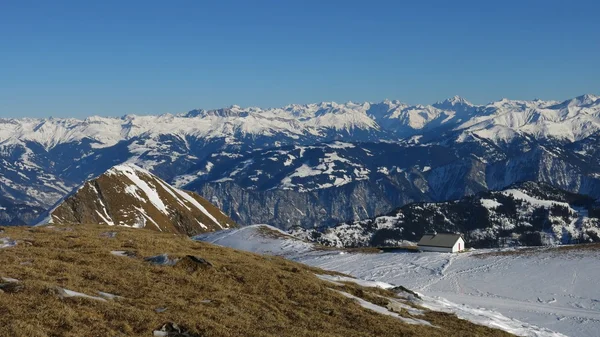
<point>173,330</point>
<point>192,264</point>
<point>163,260</point>
<point>11,287</point>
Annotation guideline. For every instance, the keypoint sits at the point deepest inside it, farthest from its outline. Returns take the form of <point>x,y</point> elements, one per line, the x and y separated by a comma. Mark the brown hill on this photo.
<point>127,195</point>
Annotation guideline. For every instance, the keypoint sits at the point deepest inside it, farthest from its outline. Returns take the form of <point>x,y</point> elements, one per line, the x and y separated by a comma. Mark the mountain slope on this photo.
<point>15,214</point>
<point>524,214</point>
<point>328,183</point>
<point>505,291</point>
<point>68,281</point>
<point>127,195</point>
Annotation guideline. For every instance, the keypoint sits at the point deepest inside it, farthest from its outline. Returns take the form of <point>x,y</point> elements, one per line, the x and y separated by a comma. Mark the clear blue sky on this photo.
<point>80,58</point>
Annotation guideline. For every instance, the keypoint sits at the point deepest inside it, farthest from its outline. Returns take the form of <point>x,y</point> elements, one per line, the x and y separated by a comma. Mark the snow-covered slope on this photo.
<point>524,214</point>
<point>262,239</point>
<point>127,195</point>
<point>554,289</point>
<point>510,292</point>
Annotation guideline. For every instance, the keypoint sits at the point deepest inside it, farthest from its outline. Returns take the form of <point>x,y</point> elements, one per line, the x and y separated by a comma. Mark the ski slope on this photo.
<point>557,292</point>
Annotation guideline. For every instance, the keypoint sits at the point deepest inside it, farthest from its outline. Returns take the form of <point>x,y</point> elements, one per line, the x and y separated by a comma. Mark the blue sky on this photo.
<point>80,58</point>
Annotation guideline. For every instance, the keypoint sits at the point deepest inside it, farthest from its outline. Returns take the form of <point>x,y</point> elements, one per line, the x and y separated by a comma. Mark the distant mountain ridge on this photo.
<point>127,195</point>
<point>524,214</point>
<point>485,147</point>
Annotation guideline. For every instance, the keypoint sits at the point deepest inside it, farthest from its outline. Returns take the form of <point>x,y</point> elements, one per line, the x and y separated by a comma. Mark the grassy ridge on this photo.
<point>241,294</point>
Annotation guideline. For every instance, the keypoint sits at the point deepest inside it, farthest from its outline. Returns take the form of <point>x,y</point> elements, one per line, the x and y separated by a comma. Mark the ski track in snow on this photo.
<point>557,292</point>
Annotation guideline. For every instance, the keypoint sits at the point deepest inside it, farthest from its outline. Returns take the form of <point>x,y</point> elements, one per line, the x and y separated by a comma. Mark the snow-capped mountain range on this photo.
<point>570,120</point>
<point>471,148</point>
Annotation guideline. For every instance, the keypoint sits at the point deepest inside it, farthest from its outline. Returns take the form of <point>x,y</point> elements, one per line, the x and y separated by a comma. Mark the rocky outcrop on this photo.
<point>288,208</point>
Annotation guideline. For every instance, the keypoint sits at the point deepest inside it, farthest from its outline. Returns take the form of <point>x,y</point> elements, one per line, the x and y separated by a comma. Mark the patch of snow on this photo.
<point>384,311</point>
<point>108,296</point>
<point>341,145</point>
<point>121,253</point>
<point>63,293</point>
<point>363,283</point>
<point>7,242</point>
<point>533,201</point>
<point>198,206</point>
<point>131,172</point>
<point>490,203</point>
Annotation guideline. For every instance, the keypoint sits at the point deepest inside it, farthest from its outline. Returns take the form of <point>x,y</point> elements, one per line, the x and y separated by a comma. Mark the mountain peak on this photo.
<point>579,101</point>
<point>585,99</point>
<point>126,167</point>
<point>128,195</point>
<point>456,99</point>
<point>453,102</point>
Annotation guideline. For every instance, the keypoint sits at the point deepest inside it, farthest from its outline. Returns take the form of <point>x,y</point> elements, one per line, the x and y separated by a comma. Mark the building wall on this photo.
<point>435,249</point>
<point>460,242</point>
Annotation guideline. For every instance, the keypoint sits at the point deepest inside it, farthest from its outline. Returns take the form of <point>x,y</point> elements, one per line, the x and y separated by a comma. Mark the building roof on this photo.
<point>446,240</point>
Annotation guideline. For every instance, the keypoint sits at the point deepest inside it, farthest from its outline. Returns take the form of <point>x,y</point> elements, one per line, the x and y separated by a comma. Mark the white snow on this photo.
<point>531,200</point>
<point>328,166</point>
<point>572,119</point>
<point>364,283</point>
<point>7,242</point>
<point>70,293</point>
<point>121,253</point>
<point>487,318</point>
<point>384,311</point>
<point>251,239</point>
<point>490,203</point>
<point>341,145</point>
<point>196,204</point>
<point>108,296</point>
<point>105,219</point>
<point>129,170</point>
<point>510,286</point>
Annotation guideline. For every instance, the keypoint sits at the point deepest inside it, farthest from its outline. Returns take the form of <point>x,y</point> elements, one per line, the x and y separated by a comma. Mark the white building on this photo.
<point>442,242</point>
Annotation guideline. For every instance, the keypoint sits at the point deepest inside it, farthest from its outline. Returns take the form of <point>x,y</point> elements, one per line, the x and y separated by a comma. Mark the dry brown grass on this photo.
<point>242,294</point>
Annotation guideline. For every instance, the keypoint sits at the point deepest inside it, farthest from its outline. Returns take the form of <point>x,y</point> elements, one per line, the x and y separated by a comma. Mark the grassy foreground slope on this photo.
<point>238,294</point>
